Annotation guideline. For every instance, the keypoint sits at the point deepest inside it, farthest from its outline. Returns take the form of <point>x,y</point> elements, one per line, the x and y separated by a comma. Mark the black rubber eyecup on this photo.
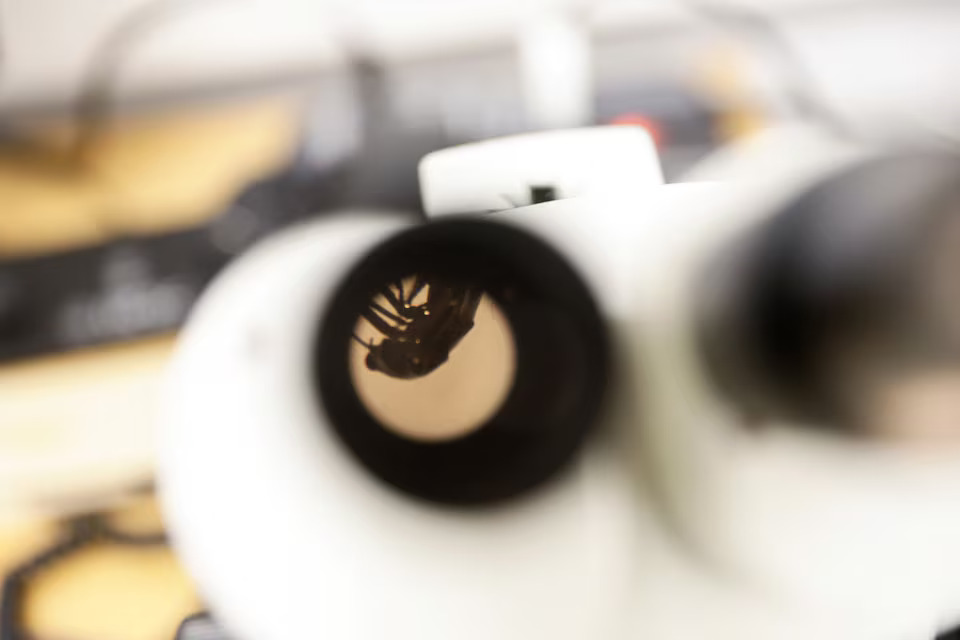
<point>562,364</point>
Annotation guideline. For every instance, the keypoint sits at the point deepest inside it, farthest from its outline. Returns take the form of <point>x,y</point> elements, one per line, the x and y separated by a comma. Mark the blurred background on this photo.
<point>144,143</point>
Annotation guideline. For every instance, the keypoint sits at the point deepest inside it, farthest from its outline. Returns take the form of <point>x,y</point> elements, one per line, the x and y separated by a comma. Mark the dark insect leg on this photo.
<point>418,284</point>
<point>388,315</point>
<point>401,308</point>
<point>467,310</point>
<point>357,338</point>
<point>381,325</point>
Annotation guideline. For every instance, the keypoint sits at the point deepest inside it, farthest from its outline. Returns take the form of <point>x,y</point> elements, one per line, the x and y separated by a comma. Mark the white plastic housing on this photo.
<point>498,174</point>
<point>861,537</point>
<point>289,536</point>
<point>677,523</point>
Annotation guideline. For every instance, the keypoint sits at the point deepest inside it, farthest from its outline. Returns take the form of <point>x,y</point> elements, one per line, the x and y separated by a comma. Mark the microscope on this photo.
<point>571,401</point>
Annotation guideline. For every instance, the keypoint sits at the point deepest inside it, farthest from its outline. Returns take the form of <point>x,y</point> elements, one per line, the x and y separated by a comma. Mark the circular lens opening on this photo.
<point>432,359</point>
<point>505,382</point>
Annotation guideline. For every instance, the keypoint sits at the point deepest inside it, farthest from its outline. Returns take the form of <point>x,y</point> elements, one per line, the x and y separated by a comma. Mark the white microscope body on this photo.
<point>670,519</point>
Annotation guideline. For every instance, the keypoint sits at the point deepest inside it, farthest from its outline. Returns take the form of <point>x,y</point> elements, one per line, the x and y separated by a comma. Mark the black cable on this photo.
<point>96,95</point>
<point>92,105</point>
<point>79,533</point>
<point>92,108</point>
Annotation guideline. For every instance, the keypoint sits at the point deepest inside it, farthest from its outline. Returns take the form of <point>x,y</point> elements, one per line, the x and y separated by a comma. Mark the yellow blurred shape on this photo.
<point>78,427</point>
<point>723,76</point>
<point>112,593</point>
<point>146,174</point>
<point>106,591</point>
<point>67,368</point>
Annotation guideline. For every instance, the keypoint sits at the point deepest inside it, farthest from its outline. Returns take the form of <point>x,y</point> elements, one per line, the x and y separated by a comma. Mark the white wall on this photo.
<point>872,60</point>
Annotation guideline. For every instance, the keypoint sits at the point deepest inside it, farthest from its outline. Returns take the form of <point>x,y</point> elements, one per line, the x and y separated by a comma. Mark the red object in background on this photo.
<point>640,120</point>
